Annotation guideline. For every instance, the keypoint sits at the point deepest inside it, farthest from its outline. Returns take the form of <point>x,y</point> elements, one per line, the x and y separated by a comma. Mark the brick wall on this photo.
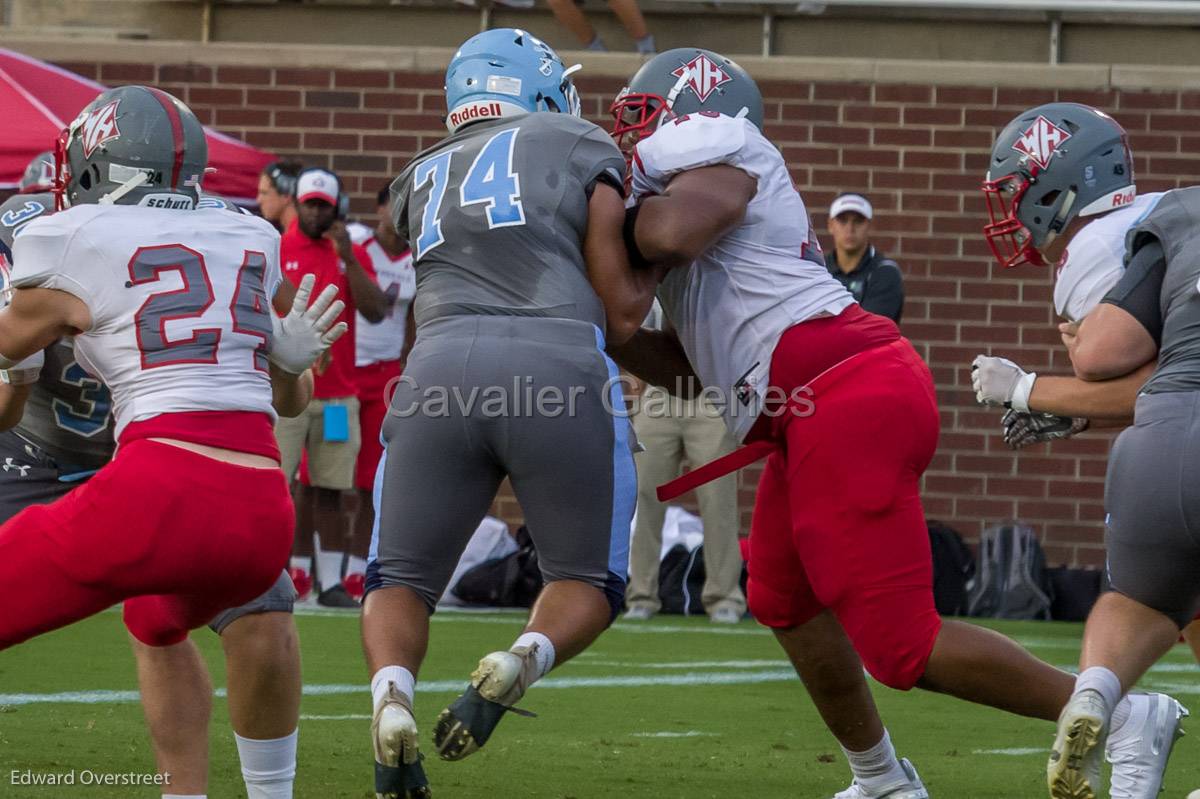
<point>918,150</point>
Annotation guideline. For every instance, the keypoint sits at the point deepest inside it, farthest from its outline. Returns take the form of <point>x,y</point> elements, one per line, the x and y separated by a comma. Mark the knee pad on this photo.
<point>149,622</point>
<point>896,655</point>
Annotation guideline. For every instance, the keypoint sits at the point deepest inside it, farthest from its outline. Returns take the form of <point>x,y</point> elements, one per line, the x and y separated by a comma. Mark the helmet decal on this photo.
<point>99,127</point>
<point>703,74</point>
<point>1040,141</point>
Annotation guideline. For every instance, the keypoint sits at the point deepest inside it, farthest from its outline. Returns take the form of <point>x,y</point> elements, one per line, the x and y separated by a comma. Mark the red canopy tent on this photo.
<point>40,99</point>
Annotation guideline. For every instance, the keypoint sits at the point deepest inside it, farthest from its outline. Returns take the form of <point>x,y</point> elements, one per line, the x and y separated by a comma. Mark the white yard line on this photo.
<point>441,686</point>
<point>1019,752</point>
<point>688,734</point>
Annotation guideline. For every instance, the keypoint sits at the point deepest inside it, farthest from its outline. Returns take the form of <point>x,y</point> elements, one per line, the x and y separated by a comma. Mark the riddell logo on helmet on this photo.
<point>1040,141</point>
<point>99,127</point>
<point>1121,199</point>
<point>703,74</point>
<point>475,111</point>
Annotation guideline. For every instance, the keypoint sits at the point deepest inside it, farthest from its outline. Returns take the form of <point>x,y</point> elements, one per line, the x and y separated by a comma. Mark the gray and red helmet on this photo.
<point>130,144</point>
<point>39,175</point>
<point>686,80</point>
<point>1050,165</point>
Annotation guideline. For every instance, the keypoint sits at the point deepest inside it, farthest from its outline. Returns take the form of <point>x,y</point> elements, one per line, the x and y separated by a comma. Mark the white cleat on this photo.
<point>497,684</point>
<point>1139,750</point>
<point>912,789</point>
<point>398,771</point>
<point>1073,771</point>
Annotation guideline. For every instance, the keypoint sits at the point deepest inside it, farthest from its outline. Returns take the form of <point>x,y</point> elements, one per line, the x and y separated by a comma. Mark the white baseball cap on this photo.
<point>851,202</point>
<point>317,184</point>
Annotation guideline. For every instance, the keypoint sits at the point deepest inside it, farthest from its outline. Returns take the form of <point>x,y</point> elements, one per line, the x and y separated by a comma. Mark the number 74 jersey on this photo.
<point>179,302</point>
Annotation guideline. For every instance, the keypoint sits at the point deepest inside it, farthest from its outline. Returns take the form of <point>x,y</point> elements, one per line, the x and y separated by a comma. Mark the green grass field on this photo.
<point>668,708</point>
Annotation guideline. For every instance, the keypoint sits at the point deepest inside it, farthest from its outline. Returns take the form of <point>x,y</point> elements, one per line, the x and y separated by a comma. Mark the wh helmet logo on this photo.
<point>703,74</point>
<point>100,127</point>
<point>1040,140</point>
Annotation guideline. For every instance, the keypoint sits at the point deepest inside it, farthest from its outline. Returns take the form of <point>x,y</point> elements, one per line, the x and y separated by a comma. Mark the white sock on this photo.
<point>357,565</point>
<point>405,683</point>
<point>302,562</point>
<point>878,768</point>
<point>1102,681</point>
<point>543,654</point>
<point>268,766</point>
<point>329,568</point>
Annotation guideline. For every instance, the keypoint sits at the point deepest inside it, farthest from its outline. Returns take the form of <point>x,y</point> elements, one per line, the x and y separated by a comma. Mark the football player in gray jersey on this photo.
<point>515,221</point>
<point>57,432</point>
<point>1044,191</point>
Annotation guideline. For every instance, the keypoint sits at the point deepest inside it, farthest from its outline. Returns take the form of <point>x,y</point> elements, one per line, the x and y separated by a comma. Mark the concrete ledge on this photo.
<point>618,65</point>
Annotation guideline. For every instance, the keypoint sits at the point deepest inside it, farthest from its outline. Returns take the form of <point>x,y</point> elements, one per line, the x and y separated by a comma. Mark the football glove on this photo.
<point>999,381</point>
<point>306,333</point>
<point>1022,428</point>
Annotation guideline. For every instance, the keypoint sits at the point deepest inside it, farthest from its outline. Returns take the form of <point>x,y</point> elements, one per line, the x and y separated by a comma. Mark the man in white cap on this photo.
<point>872,278</point>
<point>316,242</point>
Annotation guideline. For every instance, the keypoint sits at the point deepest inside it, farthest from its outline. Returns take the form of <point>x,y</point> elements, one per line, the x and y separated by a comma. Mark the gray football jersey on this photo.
<point>1175,222</point>
<point>67,413</point>
<point>496,216</point>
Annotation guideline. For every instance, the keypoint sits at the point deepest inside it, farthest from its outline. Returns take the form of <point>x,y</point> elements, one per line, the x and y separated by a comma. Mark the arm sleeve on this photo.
<point>885,292</point>
<point>1139,291</point>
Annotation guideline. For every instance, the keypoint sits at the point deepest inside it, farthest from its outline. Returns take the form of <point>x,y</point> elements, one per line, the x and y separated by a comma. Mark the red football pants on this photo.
<point>374,384</point>
<point>837,520</point>
<point>177,535</point>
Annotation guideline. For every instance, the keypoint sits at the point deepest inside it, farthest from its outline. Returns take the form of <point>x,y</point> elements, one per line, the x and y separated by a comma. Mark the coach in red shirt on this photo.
<point>316,243</point>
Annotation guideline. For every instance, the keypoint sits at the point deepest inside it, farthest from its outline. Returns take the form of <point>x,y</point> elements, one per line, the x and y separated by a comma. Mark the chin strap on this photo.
<point>124,188</point>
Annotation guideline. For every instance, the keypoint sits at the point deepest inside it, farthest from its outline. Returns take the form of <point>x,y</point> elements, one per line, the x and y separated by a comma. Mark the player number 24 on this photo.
<point>490,180</point>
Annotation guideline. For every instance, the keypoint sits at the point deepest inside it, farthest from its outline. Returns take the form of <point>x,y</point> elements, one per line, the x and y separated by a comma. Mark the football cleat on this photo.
<point>336,597</point>
<point>1140,749</point>
<point>302,581</point>
<point>1073,771</point>
<point>398,771</point>
<point>913,789</point>
<point>638,613</point>
<point>497,684</point>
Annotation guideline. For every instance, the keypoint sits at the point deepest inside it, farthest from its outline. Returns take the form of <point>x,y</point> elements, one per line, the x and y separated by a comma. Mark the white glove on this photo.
<point>24,372</point>
<point>303,336</point>
<point>999,381</point>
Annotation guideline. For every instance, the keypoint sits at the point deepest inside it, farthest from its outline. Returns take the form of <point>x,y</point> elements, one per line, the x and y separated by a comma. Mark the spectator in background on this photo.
<point>380,353</point>
<point>316,242</point>
<point>671,428</point>
<point>570,15</point>
<point>276,192</point>
<point>872,278</point>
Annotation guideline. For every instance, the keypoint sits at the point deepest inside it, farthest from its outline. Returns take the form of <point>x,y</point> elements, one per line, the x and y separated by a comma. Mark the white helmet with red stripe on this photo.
<point>135,145</point>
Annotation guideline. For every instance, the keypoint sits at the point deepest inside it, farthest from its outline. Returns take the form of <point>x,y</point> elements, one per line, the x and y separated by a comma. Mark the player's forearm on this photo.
<point>12,405</point>
<point>1108,399</point>
<point>658,358</point>
<point>290,394</point>
<point>369,299</point>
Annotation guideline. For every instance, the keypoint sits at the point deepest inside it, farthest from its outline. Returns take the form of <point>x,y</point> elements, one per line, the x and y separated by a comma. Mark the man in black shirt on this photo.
<point>873,279</point>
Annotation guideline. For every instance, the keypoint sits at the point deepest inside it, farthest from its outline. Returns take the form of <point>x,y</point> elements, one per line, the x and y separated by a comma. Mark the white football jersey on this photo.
<point>179,300</point>
<point>732,305</point>
<point>1095,259</point>
<point>384,341</point>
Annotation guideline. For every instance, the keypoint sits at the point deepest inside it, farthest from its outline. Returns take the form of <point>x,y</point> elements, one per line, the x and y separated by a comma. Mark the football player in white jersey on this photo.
<point>169,307</point>
<point>1077,205</point>
<point>840,566</point>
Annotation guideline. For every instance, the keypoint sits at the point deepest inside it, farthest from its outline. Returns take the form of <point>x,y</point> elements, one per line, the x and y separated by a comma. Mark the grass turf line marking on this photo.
<point>1018,752</point>
<point>343,717</point>
<point>688,734</point>
<point>441,686</point>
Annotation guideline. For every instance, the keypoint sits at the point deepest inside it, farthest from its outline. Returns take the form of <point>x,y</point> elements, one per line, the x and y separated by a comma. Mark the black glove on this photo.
<point>1022,428</point>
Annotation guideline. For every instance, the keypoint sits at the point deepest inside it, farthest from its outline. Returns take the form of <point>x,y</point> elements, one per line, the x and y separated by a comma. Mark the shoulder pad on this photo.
<point>690,142</point>
<point>19,210</point>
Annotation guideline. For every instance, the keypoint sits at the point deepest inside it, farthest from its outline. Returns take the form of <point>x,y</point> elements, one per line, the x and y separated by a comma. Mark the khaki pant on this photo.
<point>330,463</point>
<point>671,431</point>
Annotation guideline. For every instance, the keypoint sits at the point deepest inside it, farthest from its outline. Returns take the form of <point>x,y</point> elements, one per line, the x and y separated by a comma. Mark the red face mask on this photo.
<point>1010,241</point>
<point>636,116</point>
